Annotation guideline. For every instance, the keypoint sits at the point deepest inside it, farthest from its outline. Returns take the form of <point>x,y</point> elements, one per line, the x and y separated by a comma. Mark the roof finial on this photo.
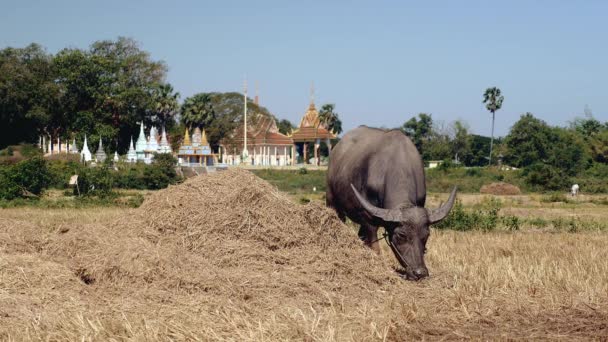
<point>312,93</point>
<point>257,98</point>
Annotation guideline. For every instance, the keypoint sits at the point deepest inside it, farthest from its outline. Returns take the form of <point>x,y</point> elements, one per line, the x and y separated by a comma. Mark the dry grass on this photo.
<point>226,257</point>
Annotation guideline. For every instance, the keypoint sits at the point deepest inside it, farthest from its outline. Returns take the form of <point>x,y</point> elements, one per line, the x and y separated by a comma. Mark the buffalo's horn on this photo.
<point>387,215</point>
<point>436,215</point>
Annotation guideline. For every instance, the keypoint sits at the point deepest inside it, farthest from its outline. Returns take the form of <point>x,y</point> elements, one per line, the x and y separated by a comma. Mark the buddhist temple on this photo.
<point>164,143</point>
<point>266,145</point>
<point>311,129</point>
<point>100,155</point>
<point>131,155</point>
<point>141,144</point>
<point>196,152</point>
<point>85,154</point>
<point>145,148</point>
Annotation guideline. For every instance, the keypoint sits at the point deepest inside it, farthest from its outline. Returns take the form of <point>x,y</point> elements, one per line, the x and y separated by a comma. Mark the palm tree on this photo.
<point>165,103</point>
<point>493,101</point>
<point>197,110</point>
<point>330,119</point>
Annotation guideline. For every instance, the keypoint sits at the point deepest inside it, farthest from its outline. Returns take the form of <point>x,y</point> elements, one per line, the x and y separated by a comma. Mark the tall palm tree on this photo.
<point>330,119</point>
<point>493,101</point>
<point>197,110</point>
<point>165,103</point>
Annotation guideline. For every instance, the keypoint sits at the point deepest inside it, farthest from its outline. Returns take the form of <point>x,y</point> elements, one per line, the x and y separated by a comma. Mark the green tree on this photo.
<point>28,94</point>
<point>329,118</point>
<point>461,143</point>
<point>493,100</point>
<point>165,105</point>
<point>197,110</point>
<point>419,130</point>
<point>528,141</point>
<point>479,147</point>
<point>284,126</point>
<point>220,114</point>
<point>599,146</point>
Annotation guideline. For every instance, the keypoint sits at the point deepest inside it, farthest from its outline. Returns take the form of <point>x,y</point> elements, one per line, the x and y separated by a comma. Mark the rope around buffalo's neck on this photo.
<point>386,237</point>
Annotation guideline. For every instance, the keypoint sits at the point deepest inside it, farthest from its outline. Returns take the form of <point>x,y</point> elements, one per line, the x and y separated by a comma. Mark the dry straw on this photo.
<point>227,257</point>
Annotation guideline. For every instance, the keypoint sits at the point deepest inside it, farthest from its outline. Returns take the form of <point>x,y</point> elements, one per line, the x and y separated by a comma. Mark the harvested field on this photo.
<point>226,256</point>
<point>500,188</point>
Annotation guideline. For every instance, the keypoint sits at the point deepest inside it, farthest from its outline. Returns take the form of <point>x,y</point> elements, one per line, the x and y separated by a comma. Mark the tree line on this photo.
<point>550,157</point>
<point>105,91</point>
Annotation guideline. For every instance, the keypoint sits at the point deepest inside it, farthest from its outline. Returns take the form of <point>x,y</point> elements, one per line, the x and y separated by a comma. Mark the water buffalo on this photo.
<point>376,178</point>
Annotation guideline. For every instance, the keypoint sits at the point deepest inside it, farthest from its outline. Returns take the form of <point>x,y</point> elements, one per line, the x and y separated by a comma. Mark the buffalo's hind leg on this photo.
<point>369,235</point>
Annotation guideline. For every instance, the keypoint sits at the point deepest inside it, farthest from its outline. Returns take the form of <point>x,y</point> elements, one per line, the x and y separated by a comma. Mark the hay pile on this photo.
<point>226,250</point>
<point>500,188</point>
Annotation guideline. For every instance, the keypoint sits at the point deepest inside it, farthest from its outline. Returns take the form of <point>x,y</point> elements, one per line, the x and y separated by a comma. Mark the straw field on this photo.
<point>227,257</point>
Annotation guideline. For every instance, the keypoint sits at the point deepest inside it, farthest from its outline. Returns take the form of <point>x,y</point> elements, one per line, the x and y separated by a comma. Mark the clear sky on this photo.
<point>380,62</point>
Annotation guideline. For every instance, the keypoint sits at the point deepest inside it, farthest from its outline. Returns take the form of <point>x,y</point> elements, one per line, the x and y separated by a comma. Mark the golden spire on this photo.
<point>187,138</point>
<point>204,139</point>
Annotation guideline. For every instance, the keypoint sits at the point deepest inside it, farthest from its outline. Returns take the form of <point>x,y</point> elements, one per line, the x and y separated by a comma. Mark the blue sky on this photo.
<point>380,62</point>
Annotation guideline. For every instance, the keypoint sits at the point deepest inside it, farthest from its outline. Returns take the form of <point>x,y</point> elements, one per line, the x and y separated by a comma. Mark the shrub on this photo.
<point>9,190</point>
<point>546,177</point>
<point>485,218</point>
<point>32,175</point>
<point>28,177</point>
<point>155,178</point>
<point>95,181</point>
<point>61,171</point>
<point>7,152</point>
<point>166,163</point>
<point>473,172</point>
<point>29,151</point>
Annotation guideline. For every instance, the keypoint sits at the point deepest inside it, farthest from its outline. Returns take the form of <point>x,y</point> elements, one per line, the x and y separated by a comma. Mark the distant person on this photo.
<point>574,190</point>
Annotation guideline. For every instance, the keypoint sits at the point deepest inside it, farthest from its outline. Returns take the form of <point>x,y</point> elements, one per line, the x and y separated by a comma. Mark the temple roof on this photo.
<point>311,127</point>
<point>263,130</point>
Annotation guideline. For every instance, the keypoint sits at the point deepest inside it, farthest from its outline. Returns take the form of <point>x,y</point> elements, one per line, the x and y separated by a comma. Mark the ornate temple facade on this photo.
<point>146,147</point>
<point>266,145</point>
<point>196,151</point>
<point>311,130</point>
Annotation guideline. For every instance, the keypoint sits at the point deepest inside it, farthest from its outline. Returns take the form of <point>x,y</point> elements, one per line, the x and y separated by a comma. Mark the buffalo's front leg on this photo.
<point>369,235</point>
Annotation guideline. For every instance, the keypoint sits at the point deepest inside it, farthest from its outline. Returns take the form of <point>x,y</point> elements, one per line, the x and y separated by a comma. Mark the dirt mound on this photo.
<point>500,188</point>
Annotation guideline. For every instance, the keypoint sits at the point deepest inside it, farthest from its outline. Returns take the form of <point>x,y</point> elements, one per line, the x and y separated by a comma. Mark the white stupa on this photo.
<point>74,148</point>
<point>85,154</point>
<point>164,143</point>
<point>115,156</point>
<point>131,155</point>
<point>141,144</point>
<point>153,140</point>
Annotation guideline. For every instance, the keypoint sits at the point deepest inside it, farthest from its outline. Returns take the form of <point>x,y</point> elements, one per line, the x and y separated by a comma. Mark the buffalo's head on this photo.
<point>408,230</point>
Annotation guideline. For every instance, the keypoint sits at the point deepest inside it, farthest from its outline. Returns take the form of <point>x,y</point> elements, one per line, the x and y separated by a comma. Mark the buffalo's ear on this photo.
<point>386,215</point>
<point>436,215</point>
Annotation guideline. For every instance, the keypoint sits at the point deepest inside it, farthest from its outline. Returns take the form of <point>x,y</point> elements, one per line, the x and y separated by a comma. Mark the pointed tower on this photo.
<point>131,155</point>
<point>100,155</point>
<point>187,138</point>
<point>85,154</point>
<point>204,141</point>
<point>164,143</point>
<point>74,148</point>
<point>141,144</point>
<point>153,140</point>
<point>197,137</point>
